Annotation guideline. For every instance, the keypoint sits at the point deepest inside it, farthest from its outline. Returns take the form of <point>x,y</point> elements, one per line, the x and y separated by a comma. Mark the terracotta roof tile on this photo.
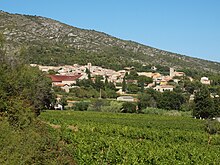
<point>60,78</point>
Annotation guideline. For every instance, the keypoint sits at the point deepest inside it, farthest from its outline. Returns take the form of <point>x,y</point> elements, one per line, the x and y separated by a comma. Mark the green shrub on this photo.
<point>81,106</point>
<point>97,105</point>
<point>212,127</point>
<point>20,115</point>
<point>36,144</point>
<point>128,107</point>
<point>113,107</point>
<point>155,111</point>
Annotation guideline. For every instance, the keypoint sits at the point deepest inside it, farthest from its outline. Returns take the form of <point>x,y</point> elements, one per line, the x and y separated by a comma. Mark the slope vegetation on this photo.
<point>50,42</point>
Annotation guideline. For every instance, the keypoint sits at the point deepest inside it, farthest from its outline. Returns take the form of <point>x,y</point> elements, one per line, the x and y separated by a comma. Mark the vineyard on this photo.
<point>108,138</point>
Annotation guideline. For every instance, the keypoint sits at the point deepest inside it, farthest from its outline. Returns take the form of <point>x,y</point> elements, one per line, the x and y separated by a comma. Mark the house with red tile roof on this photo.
<point>62,80</point>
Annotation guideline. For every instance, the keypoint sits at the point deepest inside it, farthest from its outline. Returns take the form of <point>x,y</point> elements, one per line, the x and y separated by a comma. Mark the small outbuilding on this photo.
<point>126,98</point>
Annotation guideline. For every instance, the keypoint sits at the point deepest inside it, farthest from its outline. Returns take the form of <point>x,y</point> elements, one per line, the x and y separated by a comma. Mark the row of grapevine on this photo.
<point>106,138</point>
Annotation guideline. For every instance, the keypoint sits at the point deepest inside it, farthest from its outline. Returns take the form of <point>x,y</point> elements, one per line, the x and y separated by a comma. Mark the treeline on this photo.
<point>204,104</point>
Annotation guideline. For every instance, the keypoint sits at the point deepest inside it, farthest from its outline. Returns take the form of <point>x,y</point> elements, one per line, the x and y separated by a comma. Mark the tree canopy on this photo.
<point>24,90</point>
<point>205,106</point>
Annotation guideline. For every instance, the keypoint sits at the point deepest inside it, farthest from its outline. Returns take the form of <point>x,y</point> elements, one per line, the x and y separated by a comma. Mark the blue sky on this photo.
<point>189,27</point>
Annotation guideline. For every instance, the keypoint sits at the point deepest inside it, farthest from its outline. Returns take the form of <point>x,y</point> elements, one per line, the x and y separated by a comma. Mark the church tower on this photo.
<point>172,72</point>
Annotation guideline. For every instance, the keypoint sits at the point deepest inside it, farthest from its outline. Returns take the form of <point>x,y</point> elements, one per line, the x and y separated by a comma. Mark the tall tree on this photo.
<point>23,90</point>
<point>88,73</point>
<point>204,104</point>
<point>171,100</point>
<point>124,86</point>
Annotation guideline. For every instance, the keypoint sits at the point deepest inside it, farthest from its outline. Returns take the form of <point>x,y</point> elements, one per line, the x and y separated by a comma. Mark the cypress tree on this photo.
<point>124,86</point>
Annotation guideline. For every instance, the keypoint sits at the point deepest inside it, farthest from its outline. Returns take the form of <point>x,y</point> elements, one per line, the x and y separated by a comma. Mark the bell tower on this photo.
<point>172,72</point>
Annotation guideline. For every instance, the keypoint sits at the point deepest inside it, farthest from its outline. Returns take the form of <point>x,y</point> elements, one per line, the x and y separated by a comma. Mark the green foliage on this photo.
<point>149,98</point>
<point>192,73</point>
<point>2,41</point>
<point>132,75</point>
<point>20,114</point>
<point>81,106</point>
<point>128,107</point>
<point>110,85</point>
<point>52,72</point>
<point>132,88</point>
<point>29,84</point>
<point>191,87</point>
<point>88,73</point>
<point>2,49</point>
<point>155,111</point>
<point>90,89</point>
<point>165,70</point>
<point>85,83</point>
<point>144,100</point>
<point>98,83</point>
<point>63,101</point>
<point>212,127</point>
<point>100,49</point>
<point>58,90</point>
<point>144,80</point>
<point>24,91</point>
<point>216,106</point>
<point>114,107</point>
<point>171,100</point>
<point>112,138</point>
<point>163,112</point>
<point>167,100</point>
<point>204,104</point>
<point>124,86</point>
<point>97,105</point>
<point>60,54</point>
<point>109,93</point>
<point>215,80</point>
<point>85,92</point>
<point>35,144</point>
<point>186,107</point>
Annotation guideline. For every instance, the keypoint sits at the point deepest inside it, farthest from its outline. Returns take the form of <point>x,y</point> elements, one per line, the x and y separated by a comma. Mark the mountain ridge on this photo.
<point>30,31</point>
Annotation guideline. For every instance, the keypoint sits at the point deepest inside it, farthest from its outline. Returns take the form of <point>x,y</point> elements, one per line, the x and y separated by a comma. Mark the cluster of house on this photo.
<point>66,76</point>
<point>68,70</point>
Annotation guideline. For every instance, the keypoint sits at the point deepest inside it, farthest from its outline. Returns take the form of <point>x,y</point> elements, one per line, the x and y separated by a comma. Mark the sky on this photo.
<point>188,27</point>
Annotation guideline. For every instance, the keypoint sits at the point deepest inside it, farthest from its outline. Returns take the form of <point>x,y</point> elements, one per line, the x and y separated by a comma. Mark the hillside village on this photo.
<point>66,77</point>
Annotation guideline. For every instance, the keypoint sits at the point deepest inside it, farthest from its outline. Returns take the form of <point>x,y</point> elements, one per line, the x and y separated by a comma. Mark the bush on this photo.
<point>36,144</point>
<point>81,106</point>
<point>128,107</point>
<point>20,115</point>
<point>186,107</point>
<point>97,105</point>
<point>155,111</point>
<point>173,113</point>
<point>113,107</point>
<point>212,127</point>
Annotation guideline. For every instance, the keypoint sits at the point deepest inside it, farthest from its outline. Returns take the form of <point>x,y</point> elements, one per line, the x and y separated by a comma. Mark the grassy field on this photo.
<point>109,138</point>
